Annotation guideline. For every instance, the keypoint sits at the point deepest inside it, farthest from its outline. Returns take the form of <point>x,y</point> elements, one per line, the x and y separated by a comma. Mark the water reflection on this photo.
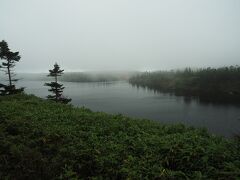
<point>142,102</point>
<point>188,99</point>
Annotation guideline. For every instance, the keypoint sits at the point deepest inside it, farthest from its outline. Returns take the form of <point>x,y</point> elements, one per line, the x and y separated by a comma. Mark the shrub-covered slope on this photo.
<point>44,140</point>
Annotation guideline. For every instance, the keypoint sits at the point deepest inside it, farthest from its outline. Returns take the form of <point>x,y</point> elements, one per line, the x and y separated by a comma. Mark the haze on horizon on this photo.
<point>121,34</point>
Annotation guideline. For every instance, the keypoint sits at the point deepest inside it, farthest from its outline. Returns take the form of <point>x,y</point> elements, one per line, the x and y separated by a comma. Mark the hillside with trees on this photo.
<point>210,84</point>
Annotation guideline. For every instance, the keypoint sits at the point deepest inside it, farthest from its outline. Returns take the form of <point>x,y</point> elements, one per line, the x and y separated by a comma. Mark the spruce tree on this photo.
<point>56,88</point>
<point>9,59</point>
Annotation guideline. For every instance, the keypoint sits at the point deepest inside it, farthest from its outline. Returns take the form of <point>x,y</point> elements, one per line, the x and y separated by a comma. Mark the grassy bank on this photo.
<point>44,140</point>
<point>209,84</point>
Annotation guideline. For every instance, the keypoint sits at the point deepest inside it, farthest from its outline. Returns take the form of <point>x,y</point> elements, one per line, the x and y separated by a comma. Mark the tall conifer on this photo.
<point>56,88</point>
<point>9,59</point>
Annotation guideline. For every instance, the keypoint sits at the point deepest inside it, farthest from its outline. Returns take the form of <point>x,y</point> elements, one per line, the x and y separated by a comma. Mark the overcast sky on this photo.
<point>121,34</point>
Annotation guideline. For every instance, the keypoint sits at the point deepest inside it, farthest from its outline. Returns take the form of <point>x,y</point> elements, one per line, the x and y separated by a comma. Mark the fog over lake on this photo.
<point>121,34</point>
<point>119,89</point>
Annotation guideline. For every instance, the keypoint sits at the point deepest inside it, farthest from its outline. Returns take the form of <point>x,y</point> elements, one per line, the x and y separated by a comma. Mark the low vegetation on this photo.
<point>41,139</point>
<point>210,84</point>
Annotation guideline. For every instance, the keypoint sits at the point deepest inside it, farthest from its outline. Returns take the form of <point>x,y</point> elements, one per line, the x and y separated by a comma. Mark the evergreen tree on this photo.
<point>55,88</point>
<point>9,59</point>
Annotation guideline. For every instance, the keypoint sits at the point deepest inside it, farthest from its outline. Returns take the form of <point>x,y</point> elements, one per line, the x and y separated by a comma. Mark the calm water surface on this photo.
<point>121,97</point>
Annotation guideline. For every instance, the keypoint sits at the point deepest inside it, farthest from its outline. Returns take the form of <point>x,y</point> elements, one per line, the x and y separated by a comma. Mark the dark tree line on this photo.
<point>9,60</point>
<point>213,84</point>
<point>208,83</point>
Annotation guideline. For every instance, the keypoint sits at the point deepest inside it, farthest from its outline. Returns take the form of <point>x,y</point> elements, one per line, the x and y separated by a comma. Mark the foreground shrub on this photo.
<point>45,140</point>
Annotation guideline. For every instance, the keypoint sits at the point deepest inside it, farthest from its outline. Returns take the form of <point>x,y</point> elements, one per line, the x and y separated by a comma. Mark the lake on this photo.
<point>122,97</point>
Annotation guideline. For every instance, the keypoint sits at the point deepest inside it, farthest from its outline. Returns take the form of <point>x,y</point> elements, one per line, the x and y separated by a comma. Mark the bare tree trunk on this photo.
<point>9,74</point>
<point>56,98</point>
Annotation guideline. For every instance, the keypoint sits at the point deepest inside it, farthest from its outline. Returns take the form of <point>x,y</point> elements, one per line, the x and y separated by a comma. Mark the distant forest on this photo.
<point>91,77</point>
<point>213,84</point>
<point>83,76</point>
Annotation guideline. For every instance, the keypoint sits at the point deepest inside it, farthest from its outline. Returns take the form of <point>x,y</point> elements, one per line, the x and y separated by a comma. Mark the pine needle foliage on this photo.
<point>9,59</point>
<point>56,88</point>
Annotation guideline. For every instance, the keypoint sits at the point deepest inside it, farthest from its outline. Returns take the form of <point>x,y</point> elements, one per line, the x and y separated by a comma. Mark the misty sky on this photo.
<point>121,34</point>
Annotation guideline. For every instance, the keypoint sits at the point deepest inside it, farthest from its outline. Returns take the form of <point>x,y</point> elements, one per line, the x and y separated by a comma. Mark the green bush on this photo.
<point>40,139</point>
